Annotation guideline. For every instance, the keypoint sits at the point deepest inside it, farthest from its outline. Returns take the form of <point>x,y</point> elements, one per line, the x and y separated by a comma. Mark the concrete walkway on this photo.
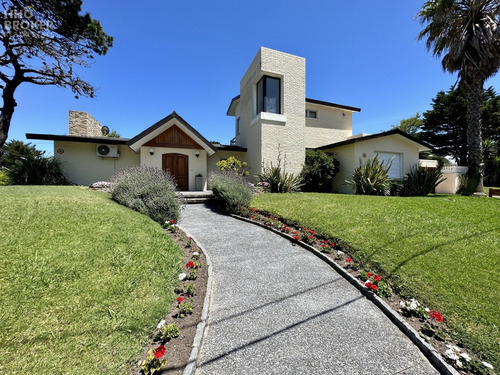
<point>278,309</point>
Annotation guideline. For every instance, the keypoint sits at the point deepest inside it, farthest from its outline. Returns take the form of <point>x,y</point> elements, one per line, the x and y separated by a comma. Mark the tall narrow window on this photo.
<point>268,95</point>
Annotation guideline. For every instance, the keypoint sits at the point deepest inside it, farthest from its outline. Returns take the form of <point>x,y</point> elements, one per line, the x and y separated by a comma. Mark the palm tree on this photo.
<point>467,34</point>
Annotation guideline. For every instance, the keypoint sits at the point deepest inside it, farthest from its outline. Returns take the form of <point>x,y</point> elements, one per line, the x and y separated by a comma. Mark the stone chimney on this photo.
<point>83,124</point>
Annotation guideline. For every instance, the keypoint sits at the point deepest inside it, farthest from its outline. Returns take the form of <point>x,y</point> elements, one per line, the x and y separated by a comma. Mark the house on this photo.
<point>274,120</point>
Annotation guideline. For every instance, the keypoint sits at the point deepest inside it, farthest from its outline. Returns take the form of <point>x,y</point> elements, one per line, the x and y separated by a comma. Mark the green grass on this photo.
<point>83,281</point>
<point>442,250</point>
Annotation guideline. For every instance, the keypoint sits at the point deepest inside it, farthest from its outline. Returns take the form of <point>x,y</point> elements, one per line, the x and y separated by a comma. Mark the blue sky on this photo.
<point>189,56</point>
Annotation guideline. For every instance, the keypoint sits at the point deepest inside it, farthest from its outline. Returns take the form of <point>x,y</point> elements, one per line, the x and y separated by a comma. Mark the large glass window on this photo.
<point>268,95</point>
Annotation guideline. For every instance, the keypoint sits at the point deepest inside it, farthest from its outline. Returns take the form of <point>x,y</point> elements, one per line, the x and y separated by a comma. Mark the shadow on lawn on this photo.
<point>444,243</point>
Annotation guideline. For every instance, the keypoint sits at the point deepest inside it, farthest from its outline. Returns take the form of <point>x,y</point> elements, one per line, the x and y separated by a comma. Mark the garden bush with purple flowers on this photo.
<point>149,191</point>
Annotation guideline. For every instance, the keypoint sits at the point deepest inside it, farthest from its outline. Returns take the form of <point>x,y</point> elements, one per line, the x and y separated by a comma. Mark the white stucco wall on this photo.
<point>350,156</point>
<point>196,165</point>
<point>332,125</point>
<point>82,166</point>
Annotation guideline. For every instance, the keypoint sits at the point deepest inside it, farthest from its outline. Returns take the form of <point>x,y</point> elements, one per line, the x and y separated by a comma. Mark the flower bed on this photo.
<point>172,340</point>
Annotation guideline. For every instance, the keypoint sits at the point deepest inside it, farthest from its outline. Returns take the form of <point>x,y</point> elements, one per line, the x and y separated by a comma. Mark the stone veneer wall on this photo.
<point>83,124</point>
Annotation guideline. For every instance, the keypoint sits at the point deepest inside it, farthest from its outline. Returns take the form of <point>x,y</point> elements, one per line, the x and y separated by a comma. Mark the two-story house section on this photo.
<point>274,119</point>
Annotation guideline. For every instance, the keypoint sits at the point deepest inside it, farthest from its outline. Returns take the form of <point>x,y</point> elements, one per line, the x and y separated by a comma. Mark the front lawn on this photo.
<point>83,281</point>
<point>442,250</point>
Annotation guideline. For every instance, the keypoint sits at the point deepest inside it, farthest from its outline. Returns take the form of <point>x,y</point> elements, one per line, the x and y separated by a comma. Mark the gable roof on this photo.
<point>425,146</point>
<point>165,123</point>
<point>231,111</point>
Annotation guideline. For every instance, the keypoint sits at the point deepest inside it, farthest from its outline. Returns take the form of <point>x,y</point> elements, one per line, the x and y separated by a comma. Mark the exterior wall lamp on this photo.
<point>197,154</point>
<point>151,151</point>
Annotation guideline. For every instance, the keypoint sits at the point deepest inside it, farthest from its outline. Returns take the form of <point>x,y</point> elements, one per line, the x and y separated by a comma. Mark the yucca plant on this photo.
<point>371,178</point>
<point>280,181</point>
<point>421,182</point>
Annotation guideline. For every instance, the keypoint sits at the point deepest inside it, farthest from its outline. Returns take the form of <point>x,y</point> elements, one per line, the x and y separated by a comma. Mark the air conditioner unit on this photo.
<point>107,151</point>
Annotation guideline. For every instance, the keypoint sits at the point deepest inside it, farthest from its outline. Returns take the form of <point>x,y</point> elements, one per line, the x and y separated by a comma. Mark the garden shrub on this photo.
<point>371,178</point>
<point>230,190</point>
<point>278,180</point>
<point>147,190</point>
<point>4,179</point>
<point>319,170</point>
<point>396,188</point>
<point>234,165</point>
<point>37,170</point>
<point>421,182</point>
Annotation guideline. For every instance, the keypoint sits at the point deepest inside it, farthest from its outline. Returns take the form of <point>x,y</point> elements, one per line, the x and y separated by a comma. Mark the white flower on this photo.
<point>161,324</point>
<point>450,353</point>
<point>182,276</point>
<point>340,252</point>
<point>427,309</point>
<point>465,356</point>
<point>488,365</point>
<point>402,304</point>
<point>414,304</point>
<point>195,254</point>
<point>459,363</point>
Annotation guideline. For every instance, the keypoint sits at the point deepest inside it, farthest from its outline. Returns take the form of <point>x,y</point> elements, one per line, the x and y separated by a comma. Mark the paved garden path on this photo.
<point>278,309</point>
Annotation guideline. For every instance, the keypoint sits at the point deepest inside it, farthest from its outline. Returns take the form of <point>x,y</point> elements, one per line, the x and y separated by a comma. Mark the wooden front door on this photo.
<point>177,166</point>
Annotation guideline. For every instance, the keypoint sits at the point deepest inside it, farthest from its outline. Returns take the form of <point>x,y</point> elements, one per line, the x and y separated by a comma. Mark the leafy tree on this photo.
<point>445,125</point>
<point>41,42</point>
<point>467,34</point>
<point>319,170</point>
<point>114,134</point>
<point>410,125</point>
<point>16,150</point>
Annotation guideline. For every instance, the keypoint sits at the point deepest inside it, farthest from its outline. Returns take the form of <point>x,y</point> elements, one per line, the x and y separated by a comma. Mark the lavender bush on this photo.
<point>149,191</point>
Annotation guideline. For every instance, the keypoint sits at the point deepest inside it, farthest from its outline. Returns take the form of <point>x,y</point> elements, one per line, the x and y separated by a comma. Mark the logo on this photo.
<point>24,20</point>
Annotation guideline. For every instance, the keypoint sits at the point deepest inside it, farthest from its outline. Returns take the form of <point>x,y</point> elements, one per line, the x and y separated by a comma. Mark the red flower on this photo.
<point>190,264</point>
<point>368,285</point>
<point>377,278</point>
<point>160,351</point>
<point>323,246</point>
<point>250,208</point>
<point>294,232</point>
<point>436,315</point>
<point>332,245</point>
<point>296,238</point>
<point>374,287</point>
<point>180,299</point>
<point>349,260</point>
<point>369,274</point>
<point>311,236</point>
<point>172,221</point>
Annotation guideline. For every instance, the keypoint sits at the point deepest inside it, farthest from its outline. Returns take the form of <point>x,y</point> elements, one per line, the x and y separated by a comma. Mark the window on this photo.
<point>395,171</point>
<point>311,114</point>
<point>238,126</point>
<point>268,95</point>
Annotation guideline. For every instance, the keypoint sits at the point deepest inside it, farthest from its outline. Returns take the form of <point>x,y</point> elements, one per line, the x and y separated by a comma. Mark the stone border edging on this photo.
<point>428,350</point>
<point>202,327</point>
